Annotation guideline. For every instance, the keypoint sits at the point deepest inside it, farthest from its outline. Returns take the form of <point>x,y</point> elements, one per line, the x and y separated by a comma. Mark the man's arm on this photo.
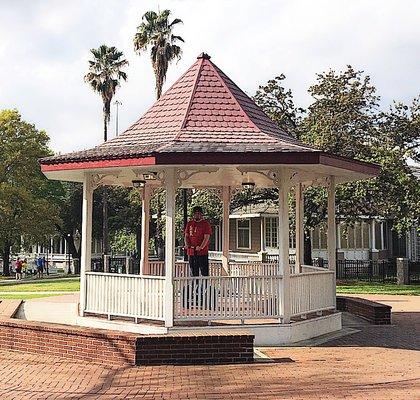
<point>186,240</point>
<point>204,242</point>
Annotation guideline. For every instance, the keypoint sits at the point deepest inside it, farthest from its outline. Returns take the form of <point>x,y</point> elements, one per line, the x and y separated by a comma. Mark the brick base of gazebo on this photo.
<point>122,348</point>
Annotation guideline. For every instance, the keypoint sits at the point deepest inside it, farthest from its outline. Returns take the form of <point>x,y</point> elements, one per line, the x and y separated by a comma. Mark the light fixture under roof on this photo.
<point>138,183</point>
<point>149,176</point>
<point>248,185</point>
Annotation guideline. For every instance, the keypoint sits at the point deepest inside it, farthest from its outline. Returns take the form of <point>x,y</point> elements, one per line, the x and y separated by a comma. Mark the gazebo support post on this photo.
<point>284,268</point>
<point>86,244</point>
<point>225,228</point>
<point>299,228</point>
<point>170,187</point>
<point>331,230</point>
<point>145,218</point>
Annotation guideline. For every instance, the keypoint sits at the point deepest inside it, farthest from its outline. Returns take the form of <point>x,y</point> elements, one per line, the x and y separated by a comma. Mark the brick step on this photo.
<point>8,308</point>
<point>219,347</point>
<point>377,313</point>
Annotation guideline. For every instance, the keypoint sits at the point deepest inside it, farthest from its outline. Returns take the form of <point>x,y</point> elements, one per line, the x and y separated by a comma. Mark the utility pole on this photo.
<point>117,103</point>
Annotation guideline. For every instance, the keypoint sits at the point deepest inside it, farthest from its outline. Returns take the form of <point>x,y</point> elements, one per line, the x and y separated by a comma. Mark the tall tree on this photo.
<point>27,214</point>
<point>104,77</point>
<point>344,119</point>
<point>156,32</point>
<point>277,102</point>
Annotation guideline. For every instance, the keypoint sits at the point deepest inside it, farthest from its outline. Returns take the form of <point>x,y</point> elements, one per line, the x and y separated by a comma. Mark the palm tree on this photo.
<point>105,73</point>
<point>156,31</point>
<point>104,76</point>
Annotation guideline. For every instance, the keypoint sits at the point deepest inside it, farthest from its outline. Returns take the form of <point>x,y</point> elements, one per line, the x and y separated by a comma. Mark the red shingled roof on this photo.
<point>203,111</point>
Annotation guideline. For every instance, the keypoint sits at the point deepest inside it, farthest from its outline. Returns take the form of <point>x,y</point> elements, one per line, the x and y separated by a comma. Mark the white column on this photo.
<point>372,235</point>
<point>299,228</point>
<point>331,232</point>
<point>145,218</point>
<point>283,238</point>
<point>382,236</point>
<point>338,242</point>
<point>169,246</point>
<point>86,243</point>
<point>225,228</point>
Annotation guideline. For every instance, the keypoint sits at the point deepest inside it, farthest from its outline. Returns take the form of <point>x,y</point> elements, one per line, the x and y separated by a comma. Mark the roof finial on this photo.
<point>203,55</point>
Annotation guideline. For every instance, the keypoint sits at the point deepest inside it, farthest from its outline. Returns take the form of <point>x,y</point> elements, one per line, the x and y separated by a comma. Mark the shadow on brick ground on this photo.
<point>403,333</point>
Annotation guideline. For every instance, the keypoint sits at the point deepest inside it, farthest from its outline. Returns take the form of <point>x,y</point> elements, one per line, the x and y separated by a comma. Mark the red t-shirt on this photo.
<point>195,231</point>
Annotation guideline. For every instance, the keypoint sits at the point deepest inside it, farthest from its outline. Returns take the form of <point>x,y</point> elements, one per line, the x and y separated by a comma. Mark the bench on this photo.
<point>377,313</point>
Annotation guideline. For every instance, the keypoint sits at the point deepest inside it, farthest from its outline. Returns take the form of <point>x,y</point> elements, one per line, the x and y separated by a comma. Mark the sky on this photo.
<point>45,47</point>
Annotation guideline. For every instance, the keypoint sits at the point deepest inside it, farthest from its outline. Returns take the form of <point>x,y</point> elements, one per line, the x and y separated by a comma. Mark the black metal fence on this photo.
<point>367,270</point>
<point>97,264</point>
<point>116,265</point>
<point>414,272</point>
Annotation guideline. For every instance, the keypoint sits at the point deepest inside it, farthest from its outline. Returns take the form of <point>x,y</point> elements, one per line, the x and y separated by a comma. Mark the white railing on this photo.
<point>182,269</point>
<point>226,298</point>
<point>311,268</point>
<point>254,269</point>
<point>124,295</point>
<point>312,292</point>
<point>156,268</point>
<point>241,257</point>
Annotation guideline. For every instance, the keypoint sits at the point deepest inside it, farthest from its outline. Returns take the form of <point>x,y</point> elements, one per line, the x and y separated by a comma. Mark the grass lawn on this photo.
<point>22,296</point>
<point>52,285</point>
<point>377,288</point>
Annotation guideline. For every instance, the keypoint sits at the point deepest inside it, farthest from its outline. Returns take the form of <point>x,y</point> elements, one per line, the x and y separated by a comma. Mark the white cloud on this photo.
<point>45,47</point>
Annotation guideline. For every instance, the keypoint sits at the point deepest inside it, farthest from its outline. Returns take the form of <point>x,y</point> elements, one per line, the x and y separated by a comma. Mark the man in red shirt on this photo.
<point>197,237</point>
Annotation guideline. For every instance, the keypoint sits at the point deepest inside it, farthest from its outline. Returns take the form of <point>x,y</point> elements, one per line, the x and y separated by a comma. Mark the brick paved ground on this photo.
<point>380,362</point>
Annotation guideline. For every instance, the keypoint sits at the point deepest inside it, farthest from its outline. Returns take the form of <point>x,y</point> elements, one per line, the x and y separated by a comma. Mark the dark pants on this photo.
<point>199,265</point>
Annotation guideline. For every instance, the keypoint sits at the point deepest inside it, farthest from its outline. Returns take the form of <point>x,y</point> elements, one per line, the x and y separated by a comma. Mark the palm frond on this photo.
<point>175,21</point>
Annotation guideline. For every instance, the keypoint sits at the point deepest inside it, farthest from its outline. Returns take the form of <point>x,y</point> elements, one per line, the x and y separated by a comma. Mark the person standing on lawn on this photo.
<point>39,267</point>
<point>197,237</point>
<point>25,268</point>
<point>18,268</point>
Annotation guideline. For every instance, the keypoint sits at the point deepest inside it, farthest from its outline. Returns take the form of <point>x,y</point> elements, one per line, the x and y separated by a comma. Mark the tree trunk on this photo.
<point>71,248</point>
<point>138,241</point>
<point>6,258</point>
<point>159,237</point>
<point>185,217</point>
<point>105,241</point>
<point>307,248</point>
<point>106,118</point>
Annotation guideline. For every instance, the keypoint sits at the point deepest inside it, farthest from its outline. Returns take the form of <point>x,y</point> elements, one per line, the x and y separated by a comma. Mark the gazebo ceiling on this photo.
<point>202,119</point>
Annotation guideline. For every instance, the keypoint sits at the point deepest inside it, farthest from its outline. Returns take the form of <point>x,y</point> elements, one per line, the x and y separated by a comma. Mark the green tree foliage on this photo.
<point>344,119</point>
<point>26,212</point>
<point>104,77</point>
<point>156,32</point>
<point>278,104</point>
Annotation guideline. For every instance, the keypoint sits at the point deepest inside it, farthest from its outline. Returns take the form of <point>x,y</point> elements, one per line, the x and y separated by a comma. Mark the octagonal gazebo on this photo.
<point>206,132</point>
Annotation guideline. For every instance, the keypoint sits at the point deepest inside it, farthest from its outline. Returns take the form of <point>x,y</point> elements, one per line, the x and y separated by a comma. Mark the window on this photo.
<point>365,231</point>
<point>243,233</point>
<point>319,238</point>
<point>354,237</point>
<point>358,235</point>
<point>322,238</point>
<point>216,239</point>
<point>271,232</point>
